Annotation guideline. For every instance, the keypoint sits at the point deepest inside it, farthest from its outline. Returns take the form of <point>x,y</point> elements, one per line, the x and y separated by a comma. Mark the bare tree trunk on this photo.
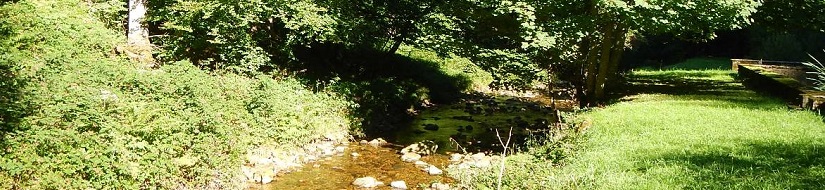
<point>136,32</point>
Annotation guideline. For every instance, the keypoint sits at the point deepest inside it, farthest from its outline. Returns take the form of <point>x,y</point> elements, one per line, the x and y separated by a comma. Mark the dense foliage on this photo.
<point>76,116</point>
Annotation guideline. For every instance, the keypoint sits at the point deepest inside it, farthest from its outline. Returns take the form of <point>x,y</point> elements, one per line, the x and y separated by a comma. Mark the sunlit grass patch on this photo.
<point>682,129</point>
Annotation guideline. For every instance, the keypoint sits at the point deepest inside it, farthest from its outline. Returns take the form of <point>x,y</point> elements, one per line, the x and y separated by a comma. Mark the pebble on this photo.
<point>456,157</point>
<point>340,148</point>
<point>432,170</point>
<point>247,172</point>
<point>398,185</point>
<point>354,154</point>
<point>266,179</point>
<point>440,186</point>
<point>367,182</point>
<point>421,164</point>
<point>410,157</point>
<point>377,142</point>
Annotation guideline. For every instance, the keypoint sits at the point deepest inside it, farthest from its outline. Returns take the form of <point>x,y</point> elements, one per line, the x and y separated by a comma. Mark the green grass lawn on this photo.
<point>699,130</point>
<point>682,129</point>
<point>702,63</point>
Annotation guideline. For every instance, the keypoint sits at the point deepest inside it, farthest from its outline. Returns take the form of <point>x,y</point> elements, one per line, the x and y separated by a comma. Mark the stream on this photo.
<point>468,126</point>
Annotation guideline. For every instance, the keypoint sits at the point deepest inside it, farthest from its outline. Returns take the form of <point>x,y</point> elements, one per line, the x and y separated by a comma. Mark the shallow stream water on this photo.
<point>469,125</point>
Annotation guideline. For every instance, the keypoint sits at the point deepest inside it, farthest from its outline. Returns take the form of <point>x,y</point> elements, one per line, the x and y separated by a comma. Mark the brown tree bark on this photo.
<point>617,52</point>
<point>604,61</point>
<point>591,48</point>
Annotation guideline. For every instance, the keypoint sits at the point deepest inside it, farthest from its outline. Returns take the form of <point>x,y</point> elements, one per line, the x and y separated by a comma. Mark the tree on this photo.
<point>619,20</point>
<point>380,24</point>
<point>580,40</point>
<point>136,32</point>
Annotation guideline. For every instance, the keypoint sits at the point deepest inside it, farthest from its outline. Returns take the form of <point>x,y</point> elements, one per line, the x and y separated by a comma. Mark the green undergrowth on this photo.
<point>681,129</point>
<point>452,65</point>
<point>77,116</point>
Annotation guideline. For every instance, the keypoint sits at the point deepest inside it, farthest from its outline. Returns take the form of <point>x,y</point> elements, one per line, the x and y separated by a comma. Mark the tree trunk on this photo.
<point>617,52</point>
<point>395,46</point>
<point>591,73</point>
<point>604,61</point>
<point>136,32</point>
<point>398,40</point>
<point>591,53</point>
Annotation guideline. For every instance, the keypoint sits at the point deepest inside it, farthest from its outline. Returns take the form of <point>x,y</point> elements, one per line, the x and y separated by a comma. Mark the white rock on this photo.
<point>266,179</point>
<point>478,156</point>
<point>463,166</point>
<point>413,148</point>
<point>340,148</point>
<point>456,157</point>
<point>247,172</point>
<point>432,170</point>
<point>483,163</point>
<point>258,160</point>
<point>355,154</point>
<point>377,142</point>
<point>329,152</point>
<point>410,157</point>
<point>440,186</point>
<point>367,182</point>
<point>364,142</point>
<point>398,185</point>
<point>421,164</point>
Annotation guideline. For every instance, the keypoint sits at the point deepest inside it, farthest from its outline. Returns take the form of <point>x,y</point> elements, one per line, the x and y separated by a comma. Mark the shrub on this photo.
<point>85,118</point>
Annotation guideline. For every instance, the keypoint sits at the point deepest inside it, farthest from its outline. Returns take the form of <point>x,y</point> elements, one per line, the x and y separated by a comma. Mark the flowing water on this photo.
<point>469,125</point>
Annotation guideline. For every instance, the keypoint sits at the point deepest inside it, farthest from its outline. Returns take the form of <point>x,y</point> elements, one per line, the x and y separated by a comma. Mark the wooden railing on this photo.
<point>736,62</point>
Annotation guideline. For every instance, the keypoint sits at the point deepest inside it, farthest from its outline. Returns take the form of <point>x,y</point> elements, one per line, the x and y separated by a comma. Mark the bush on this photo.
<point>85,118</point>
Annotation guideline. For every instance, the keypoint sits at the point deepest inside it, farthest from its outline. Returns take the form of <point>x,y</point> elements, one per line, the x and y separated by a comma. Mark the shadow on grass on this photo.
<point>680,83</point>
<point>755,166</point>
<point>386,87</point>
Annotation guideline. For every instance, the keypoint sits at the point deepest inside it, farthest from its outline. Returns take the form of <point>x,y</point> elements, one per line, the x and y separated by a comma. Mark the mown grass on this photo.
<point>682,129</point>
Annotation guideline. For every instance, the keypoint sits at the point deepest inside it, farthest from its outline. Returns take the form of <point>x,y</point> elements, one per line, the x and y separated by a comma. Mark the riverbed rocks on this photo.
<point>367,182</point>
<point>398,185</point>
<point>266,179</point>
<point>478,160</point>
<point>375,142</point>
<point>421,164</point>
<point>440,186</point>
<point>410,157</point>
<point>263,164</point>
<point>426,147</point>
<point>432,170</point>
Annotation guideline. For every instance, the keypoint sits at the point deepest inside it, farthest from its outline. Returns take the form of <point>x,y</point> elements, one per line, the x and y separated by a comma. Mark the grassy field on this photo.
<point>682,129</point>
<point>702,130</point>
